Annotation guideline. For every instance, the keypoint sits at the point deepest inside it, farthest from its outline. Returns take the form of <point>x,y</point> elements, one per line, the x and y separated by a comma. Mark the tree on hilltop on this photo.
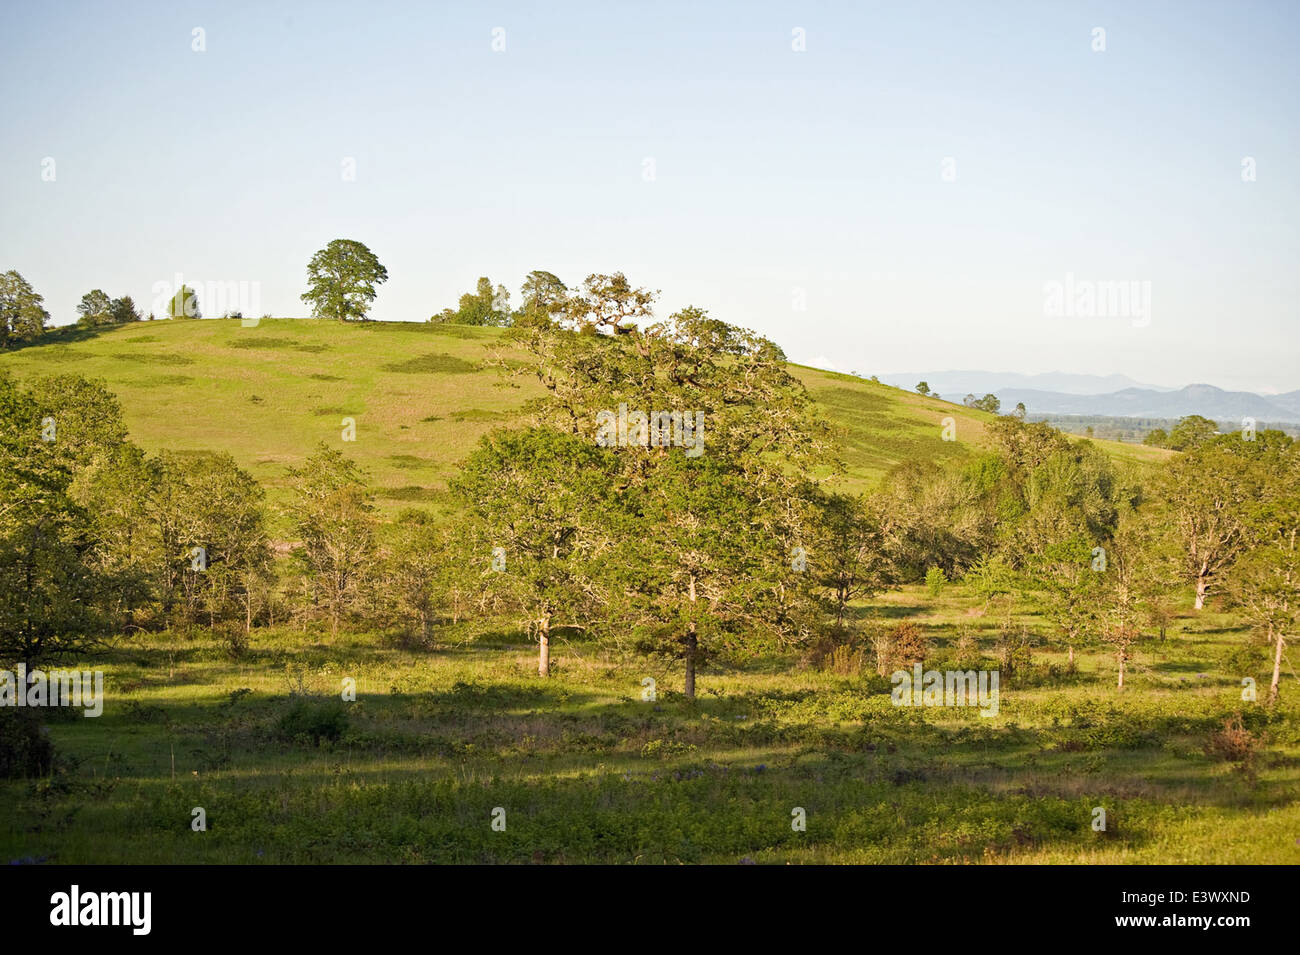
<point>341,280</point>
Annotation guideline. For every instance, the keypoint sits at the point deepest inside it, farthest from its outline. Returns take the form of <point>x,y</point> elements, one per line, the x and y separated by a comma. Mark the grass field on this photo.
<point>586,771</point>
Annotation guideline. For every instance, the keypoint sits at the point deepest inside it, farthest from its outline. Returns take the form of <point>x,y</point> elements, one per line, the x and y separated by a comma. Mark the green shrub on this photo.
<point>1247,660</point>
<point>316,720</point>
<point>665,749</point>
<point>935,580</point>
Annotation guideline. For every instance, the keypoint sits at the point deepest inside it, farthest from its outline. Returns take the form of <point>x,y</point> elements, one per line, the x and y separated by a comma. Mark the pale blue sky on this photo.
<point>775,171</point>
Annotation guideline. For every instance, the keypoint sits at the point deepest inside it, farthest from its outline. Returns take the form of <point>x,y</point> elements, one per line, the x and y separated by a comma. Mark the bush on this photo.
<point>1244,660</point>
<point>1014,653</point>
<point>845,660</point>
<point>935,580</point>
<point>317,721</point>
<point>233,638</point>
<point>875,684</point>
<point>909,643</point>
<point>665,749</point>
<point>899,647</point>
<point>25,747</point>
<point>838,653</point>
<point>967,652</point>
<point>1234,743</point>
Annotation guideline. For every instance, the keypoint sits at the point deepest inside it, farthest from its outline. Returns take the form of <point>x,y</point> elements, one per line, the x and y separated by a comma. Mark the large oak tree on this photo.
<point>341,280</point>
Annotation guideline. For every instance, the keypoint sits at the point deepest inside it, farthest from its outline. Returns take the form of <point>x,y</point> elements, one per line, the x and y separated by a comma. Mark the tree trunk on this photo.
<point>1071,655</point>
<point>1202,585</point>
<point>1121,655</point>
<point>692,645</point>
<point>544,654</point>
<point>1274,688</point>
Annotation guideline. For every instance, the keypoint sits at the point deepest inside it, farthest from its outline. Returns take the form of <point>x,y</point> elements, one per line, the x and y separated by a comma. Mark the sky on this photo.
<point>877,187</point>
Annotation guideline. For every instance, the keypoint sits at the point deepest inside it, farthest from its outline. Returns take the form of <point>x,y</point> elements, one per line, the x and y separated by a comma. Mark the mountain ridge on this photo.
<point>1078,394</point>
<point>1226,407</point>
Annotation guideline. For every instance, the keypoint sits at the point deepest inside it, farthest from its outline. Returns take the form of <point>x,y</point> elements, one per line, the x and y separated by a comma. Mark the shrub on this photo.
<point>909,643</point>
<point>1233,744</point>
<point>899,647</point>
<point>318,721</point>
<point>845,660</point>
<point>875,684</point>
<point>665,749</point>
<point>1014,652</point>
<point>1246,660</point>
<point>935,580</point>
<point>25,747</point>
<point>967,652</point>
<point>233,638</point>
<point>838,653</point>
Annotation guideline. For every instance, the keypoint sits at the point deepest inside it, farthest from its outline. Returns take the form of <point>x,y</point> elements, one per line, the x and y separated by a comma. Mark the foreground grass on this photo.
<point>586,771</point>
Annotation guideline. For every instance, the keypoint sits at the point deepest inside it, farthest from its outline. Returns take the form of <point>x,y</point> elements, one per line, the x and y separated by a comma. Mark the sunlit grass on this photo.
<point>588,772</point>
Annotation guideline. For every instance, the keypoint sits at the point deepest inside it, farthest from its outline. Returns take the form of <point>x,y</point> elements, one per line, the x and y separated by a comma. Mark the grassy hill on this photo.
<point>420,394</point>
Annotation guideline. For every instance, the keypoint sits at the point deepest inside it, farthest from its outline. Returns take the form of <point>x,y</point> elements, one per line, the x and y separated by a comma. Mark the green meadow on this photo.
<point>587,771</point>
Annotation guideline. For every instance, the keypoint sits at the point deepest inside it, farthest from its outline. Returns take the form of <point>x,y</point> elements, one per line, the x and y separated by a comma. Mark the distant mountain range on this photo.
<point>981,383</point>
<point>1226,407</point>
<point>1058,393</point>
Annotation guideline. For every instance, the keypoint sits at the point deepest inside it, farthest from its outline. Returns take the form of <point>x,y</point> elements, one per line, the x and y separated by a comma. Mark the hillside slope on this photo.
<point>420,396</point>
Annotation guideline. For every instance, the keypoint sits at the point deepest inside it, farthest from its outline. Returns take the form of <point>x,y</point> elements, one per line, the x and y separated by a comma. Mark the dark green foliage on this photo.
<point>22,312</point>
<point>341,280</point>
<point>433,364</point>
<point>315,720</point>
<point>26,750</point>
<point>1034,490</point>
<point>989,403</point>
<point>484,306</point>
<point>52,601</point>
<point>1191,432</point>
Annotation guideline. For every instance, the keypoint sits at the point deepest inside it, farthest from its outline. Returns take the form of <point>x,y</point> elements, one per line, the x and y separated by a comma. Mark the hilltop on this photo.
<point>421,396</point>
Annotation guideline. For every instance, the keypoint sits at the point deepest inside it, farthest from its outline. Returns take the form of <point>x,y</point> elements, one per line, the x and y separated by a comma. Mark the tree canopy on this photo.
<point>342,280</point>
<point>22,312</point>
